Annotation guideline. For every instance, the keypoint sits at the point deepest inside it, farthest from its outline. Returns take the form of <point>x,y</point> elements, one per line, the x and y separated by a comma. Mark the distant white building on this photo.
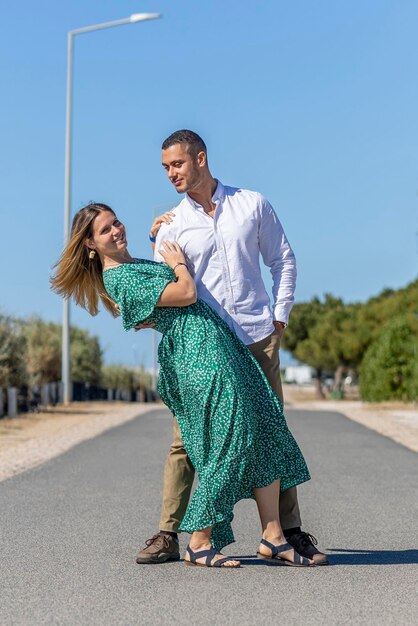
<point>299,374</point>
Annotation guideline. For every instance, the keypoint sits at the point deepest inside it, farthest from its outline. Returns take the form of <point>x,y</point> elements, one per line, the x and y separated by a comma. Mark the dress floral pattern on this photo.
<point>231,422</point>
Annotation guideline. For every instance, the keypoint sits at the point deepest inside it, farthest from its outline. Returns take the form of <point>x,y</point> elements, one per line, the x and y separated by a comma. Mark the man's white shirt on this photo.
<point>223,255</point>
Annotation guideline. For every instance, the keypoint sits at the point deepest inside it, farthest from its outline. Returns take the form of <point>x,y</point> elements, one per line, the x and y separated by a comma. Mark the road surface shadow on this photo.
<point>339,556</point>
<point>372,557</point>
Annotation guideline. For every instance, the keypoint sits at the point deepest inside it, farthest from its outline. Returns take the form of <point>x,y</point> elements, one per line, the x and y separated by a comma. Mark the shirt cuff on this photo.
<point>281,313</point>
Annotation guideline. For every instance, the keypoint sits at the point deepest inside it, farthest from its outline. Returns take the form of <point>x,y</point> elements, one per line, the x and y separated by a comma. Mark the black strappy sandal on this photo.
<point>209,554</point>
<point>298,561</point>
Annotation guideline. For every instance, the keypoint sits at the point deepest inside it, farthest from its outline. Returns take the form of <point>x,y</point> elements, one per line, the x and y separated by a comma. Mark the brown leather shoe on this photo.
<point>159,549</point>
<point>305,544</point>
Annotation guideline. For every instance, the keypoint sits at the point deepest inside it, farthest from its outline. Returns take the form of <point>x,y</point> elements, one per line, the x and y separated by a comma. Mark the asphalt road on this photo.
<point>70,530</point>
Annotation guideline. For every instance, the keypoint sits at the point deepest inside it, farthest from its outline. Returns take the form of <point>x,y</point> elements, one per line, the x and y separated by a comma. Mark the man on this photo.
<point>223,231</point>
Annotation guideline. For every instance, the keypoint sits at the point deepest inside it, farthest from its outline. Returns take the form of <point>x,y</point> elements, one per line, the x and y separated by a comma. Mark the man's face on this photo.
<point>183,170</point>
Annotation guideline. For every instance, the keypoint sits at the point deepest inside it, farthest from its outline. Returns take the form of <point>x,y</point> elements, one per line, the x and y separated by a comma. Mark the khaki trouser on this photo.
<point>179,472</point>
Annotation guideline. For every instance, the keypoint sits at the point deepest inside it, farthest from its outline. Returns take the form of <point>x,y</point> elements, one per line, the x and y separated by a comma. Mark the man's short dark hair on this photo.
<point>194,143</point>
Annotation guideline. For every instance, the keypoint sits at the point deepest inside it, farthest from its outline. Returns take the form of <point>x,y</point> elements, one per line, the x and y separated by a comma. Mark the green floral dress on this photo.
<point>231,422</point>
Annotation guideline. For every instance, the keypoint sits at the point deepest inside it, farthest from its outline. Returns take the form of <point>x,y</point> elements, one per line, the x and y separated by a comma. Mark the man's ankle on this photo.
<point>292,531</point>
<point>169,532</point>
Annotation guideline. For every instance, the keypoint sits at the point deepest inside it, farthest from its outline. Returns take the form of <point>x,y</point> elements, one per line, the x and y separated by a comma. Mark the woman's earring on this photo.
<point>92,254</point>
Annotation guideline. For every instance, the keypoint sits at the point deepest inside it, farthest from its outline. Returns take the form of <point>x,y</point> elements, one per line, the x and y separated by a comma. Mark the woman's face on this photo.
<point>109,235</point>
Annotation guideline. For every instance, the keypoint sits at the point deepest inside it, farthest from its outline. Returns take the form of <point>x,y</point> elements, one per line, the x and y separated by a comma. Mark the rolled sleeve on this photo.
<point>279,257</point>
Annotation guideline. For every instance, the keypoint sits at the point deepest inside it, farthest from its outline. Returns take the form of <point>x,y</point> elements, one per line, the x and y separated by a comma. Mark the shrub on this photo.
<point>389,370</point>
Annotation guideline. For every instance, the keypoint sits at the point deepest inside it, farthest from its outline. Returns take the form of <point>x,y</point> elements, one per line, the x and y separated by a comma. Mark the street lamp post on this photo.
<point>133,19</point>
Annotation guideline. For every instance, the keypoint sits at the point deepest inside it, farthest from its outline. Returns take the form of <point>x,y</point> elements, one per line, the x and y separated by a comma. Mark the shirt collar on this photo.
<point>217,196</point>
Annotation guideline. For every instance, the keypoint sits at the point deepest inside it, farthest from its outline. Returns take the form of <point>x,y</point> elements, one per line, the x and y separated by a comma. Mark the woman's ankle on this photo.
<point>200,541</point>
<point>199,544</point>
<point>274,537</point>
<point>273,532</point>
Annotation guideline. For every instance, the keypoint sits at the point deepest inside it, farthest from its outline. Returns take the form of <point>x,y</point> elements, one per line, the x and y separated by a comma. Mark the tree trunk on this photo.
<point>319,391</point>
<point>338,374</point>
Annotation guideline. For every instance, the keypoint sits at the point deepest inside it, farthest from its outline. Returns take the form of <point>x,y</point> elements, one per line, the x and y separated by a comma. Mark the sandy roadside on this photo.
<point>394,420</point>
<point>29,440</point>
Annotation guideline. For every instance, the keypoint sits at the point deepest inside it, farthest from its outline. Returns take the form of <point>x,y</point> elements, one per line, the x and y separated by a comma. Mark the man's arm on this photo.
<point>278,256</point>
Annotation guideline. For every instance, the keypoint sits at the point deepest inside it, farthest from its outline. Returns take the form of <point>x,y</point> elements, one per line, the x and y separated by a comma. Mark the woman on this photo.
<point>231,422</point>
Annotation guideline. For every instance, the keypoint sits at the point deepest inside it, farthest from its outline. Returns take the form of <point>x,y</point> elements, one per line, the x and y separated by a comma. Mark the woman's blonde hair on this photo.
<point>77,275</point>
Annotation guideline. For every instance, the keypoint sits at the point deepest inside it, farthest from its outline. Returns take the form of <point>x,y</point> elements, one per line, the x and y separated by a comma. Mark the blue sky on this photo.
<point>312,103</point>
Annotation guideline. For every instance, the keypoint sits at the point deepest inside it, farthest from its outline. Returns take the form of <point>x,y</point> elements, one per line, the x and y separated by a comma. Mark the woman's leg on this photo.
<point>200,540</point>
<point>267,499</point>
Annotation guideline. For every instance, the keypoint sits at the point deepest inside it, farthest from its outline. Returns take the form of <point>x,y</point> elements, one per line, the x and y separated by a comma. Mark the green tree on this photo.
<point>377,311</point>
<point>336,343</point>
<point>320,349</point>
<point>144,378</point>
<point>390,366</point>
<point>121,377</point>
<point>43,350</point>
<point>44,353</point>
<point>13,372</point>
<point>331,336</point>
<point>300,340</point>
<point>86,356</point>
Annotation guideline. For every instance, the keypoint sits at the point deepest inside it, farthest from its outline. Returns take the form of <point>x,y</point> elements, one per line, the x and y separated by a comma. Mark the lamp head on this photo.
<point>141,17</point>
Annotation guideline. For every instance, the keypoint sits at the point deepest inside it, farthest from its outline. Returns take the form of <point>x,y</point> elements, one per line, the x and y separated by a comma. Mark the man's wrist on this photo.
<point>282,324</point>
